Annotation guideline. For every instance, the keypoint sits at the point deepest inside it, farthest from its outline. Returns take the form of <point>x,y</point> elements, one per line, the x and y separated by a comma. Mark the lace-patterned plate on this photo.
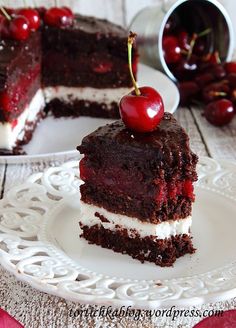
<point>40,244</point>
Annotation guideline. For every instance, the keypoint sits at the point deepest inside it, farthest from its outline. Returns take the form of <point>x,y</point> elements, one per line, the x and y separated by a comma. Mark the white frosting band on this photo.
<point>162,230</point>
<point>9,135</point>
<point>68,94</point>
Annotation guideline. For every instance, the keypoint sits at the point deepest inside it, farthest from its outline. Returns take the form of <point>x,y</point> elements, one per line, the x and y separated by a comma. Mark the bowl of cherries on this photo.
<point>202,76</point>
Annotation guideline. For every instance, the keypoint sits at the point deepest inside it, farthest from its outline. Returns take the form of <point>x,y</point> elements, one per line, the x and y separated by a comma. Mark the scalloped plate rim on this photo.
<point>36,283</point>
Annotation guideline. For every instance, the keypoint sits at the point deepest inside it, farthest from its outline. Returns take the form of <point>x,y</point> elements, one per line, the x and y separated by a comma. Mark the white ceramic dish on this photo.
<point>40,244</point>
<point>49,143</point>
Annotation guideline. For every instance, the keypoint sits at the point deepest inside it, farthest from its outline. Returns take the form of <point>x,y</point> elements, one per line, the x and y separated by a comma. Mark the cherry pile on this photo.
<point>216,89</point>
<point>185,52</point>
<point>201,75</point>
<point>17,24</point>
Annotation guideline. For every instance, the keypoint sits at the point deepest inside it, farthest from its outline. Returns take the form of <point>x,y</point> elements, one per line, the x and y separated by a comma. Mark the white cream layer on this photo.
<point>68,94</point>
<point>162,230</point>
<point>9,135</point>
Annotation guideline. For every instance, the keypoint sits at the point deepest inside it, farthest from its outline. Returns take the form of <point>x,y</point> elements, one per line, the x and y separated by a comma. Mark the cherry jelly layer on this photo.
<point>141,208</point>
<point>134,183</point>
<point>16,96</point>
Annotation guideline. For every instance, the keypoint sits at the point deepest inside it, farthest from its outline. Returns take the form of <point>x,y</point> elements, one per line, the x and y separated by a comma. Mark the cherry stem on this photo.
<point>217,56</point>
<point>193,40</point>
<point>56,4</point>
<point>218,93</point>
<point>131,39</point>
<point>25,4</point>
<point>5,13</point>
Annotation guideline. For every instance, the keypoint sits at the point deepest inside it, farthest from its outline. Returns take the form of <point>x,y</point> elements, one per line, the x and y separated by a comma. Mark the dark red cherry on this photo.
<point>232,80</point>
<point>32,16</point>
<point>213,58</point>
<point>230,67</point>
<point>186,69</point>
<point>171,49</point>
<point>57,17</point>
<point>203,79</point>
<point>19,28</point>
<point>183,38</point>
<point>188,90</point>
<point>219,112</point>
<point>218,71</point>
<point>4,28</point>
<point>11,11</point>
<point>69,12</point>
<point>142,113</point>
<point>170,25</point>
<point>233,98</point>
<point>199,47</point>
<point>215,91</point>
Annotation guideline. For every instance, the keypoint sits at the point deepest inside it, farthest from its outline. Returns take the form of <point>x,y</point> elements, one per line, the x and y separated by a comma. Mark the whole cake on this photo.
<point>69,65</point>
<point>138,178</point>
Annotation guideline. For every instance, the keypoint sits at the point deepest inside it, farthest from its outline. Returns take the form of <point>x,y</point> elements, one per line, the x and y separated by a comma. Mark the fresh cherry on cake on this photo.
<point>219,112</point>
<point>19,28</point>
<point>142,109</point>
<point>143,112</point>
<point>171,49</point>
<point>32,16</point>
<point>69,12</point>
<point>58,17</point>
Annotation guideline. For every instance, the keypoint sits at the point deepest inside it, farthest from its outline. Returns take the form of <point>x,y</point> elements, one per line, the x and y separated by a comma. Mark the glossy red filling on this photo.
<point>128,182</point>
<point>16,96</point>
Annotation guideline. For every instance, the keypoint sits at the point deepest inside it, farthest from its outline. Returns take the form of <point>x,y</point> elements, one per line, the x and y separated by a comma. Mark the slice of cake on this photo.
<point>138,191</point>
<point>138,178</point>
<point>21,98</point>
<point>85,68</point>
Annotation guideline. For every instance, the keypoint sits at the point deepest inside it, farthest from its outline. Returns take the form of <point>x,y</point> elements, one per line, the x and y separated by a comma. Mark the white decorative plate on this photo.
<point>48,143</point>
<point>40,244</point>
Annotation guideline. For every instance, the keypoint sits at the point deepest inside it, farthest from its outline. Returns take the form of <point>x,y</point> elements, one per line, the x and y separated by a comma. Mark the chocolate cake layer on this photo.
<point>93,53</point>
<point>163,153</point>
<point>77,108</point>
<point>162,252</point>
<point>141,208</point>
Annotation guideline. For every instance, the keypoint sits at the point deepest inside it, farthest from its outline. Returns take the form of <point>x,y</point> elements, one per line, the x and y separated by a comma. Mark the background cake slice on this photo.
<point>21,98</point>
<point>85,68</point>
<point>138,190</point>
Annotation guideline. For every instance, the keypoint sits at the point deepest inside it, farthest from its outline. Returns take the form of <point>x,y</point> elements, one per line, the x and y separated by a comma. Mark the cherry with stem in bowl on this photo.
<point>142,109</point>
